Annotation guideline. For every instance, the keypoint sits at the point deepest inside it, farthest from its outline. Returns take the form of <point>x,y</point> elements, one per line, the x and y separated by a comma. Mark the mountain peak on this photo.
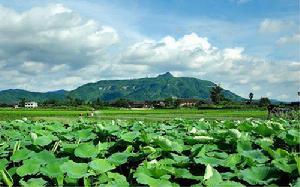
<point>166,75</point>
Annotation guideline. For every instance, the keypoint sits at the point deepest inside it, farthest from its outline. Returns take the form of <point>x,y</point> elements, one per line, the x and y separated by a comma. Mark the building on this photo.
<point>187,102</point>
<point>159,104</point>
<point>31,104</point>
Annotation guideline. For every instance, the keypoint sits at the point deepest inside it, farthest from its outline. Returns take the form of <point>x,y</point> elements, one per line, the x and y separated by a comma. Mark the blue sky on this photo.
<point>255,33</point>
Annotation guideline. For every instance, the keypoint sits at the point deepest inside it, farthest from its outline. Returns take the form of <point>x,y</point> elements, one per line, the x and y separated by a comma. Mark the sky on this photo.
<point>243,45</point>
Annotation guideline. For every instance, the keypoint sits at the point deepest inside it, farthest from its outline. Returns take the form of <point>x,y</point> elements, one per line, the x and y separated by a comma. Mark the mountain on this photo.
<point>12,96</point>
<point>154,88</point>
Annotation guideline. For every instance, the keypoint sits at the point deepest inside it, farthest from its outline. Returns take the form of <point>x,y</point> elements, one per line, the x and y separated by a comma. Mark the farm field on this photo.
<point>125,114</point>
<point>171,153</point>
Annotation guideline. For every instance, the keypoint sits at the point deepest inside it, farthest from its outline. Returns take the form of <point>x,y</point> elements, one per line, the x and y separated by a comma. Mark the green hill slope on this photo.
<point>160,87</point>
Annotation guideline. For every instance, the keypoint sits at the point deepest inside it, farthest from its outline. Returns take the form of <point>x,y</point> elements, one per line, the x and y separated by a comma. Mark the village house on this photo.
<point>187,102</point>
<point>31,104</point>
<point>159,104</point>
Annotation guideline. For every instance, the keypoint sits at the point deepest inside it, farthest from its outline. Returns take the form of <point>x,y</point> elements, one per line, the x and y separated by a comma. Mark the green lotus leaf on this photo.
<point>69,148</point>
<point>161,169</point>
<point>52,170</point>
<point>117,179</point>
<point>260,175</point>
<point>74,170</point>
<point>244,145</point>
<point>283,164</point>
<point>129,136</point>
<point>265,129</point>
<point>119,158</point>
<point>232,160</point>
<point>29,167</point>
<point>255,155</point>
<point>211,176</point>
<point>292,137</point>
<point>86,150</point>
<point>148,150</point>
<point>42,141</point>
<point>103,147</point>
<point>34,182</point>
<point>246,126</point>
<point>180,159</point>
<point>230,184</point>
<point>152,182</point>
<point>43,157</point>
<point>84,135</point>
<point>112,128</point>
<point>297,183</point>
<point>280,153</point>
<point>168,145</point>
<point>3,164</point>
<point>20,155</point>
<point>209,160</point>
<point>185,174</point>
<point>101,165</point>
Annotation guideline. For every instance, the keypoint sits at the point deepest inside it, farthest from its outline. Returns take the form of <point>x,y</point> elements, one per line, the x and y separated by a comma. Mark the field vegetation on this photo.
<point>171,153</point>
<point>129,114</point>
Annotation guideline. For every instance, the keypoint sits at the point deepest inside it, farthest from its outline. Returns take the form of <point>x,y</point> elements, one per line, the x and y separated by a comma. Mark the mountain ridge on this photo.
<point>140,89</point>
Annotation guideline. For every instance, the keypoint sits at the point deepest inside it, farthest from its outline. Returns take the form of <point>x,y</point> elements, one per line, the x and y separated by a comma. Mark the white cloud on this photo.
<point>233,53</point>
<point>273,25</point>
<point>59,67</point>
<point>31,67</point>
<point>229,66</point>
<point>54,35</point>
<point>294,39</point>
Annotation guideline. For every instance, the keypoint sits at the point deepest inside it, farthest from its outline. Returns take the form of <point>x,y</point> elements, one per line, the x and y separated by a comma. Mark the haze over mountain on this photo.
<point>155,88</point>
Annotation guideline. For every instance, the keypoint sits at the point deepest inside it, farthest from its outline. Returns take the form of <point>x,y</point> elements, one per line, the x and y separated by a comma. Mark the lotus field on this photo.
<point>172,153</point>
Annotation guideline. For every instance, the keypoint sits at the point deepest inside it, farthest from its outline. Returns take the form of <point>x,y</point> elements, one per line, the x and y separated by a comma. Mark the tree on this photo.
<point>264,101</point>
<point>251,97</point>
<point>216,95</point>
<point>124,103</point>
<point>97,103</point>
<point>22,102</point>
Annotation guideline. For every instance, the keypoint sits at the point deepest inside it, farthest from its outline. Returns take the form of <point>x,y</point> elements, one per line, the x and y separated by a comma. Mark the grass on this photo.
<point>126,114</point>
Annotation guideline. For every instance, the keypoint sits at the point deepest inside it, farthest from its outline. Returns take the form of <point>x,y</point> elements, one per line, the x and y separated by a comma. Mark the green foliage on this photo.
<point>251,95</point>
<point>122,103</point>
<point>216,94</point>
<point>172,153</point>
<point>264,101</point>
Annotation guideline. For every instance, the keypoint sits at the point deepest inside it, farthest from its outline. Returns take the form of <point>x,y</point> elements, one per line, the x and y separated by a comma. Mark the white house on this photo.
<point>31,105</point>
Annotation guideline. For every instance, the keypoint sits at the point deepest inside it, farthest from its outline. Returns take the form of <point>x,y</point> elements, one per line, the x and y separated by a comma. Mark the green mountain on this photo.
<point>155,88</point>
<point>13,96</point>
